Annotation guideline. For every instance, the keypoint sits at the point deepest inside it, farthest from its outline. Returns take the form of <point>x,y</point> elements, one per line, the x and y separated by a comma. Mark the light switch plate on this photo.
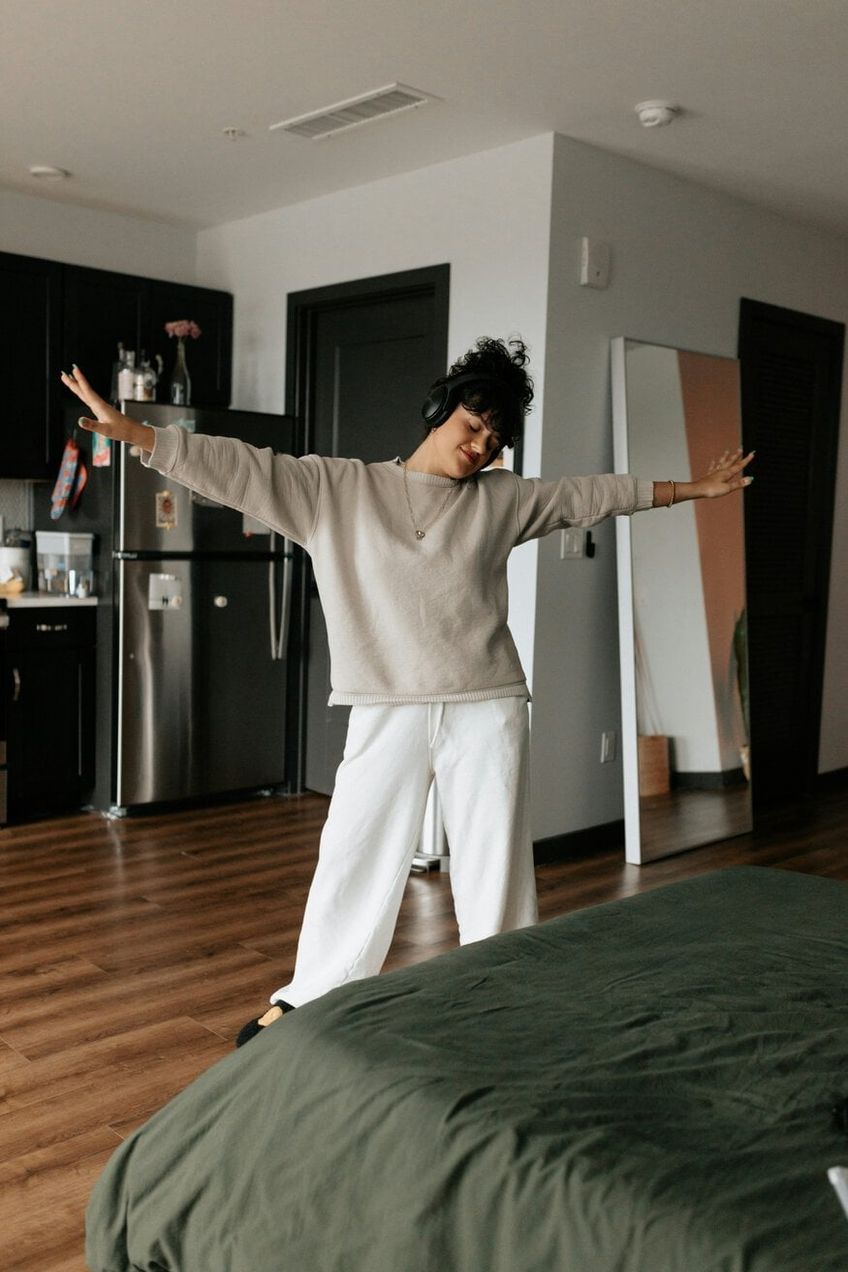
<point>594,263</point>
<point>572,543</point>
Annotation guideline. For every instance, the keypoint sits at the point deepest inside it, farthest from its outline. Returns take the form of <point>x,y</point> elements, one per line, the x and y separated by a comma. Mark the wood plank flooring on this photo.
<point>131,952</point>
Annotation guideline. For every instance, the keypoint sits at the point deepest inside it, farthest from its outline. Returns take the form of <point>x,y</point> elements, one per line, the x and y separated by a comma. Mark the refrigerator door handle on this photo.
<point>280,635</point>
<point>285,614</point>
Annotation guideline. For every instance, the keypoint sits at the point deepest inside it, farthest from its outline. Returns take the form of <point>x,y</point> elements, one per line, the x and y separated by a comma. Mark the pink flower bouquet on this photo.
<point>183,328</point>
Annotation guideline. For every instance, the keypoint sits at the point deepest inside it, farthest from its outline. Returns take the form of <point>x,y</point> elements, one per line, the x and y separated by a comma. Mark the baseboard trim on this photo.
<point>835,780</point>
<point>579,843</point>
<point>717,780</point>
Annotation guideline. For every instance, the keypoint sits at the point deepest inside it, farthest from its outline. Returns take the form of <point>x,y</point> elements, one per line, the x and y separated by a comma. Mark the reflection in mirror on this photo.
<point>682,623</point>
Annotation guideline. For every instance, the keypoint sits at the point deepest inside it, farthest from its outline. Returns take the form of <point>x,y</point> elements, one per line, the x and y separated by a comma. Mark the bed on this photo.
<point>644,1086</point>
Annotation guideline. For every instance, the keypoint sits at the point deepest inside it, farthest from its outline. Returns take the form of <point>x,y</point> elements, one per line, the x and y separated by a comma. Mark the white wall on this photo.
<point>487,215</point>
<point>682,256</point>
<point>59,231</point>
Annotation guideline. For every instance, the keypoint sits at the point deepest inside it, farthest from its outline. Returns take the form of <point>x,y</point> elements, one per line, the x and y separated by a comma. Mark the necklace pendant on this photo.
<point>419,534</point>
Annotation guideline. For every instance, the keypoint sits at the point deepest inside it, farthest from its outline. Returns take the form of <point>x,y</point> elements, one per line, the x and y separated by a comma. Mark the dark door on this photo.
<point>791,376</point>
<point>361,361</point>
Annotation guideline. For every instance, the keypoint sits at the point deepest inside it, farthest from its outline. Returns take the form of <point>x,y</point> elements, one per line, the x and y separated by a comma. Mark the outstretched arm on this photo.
<point>724,476</point>
<point>107,420</point>
<point>281,491</point>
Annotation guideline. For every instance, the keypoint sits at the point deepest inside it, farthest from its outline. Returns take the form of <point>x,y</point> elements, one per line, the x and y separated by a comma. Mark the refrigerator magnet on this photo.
<point>166,510</point>
<point>101,451</point>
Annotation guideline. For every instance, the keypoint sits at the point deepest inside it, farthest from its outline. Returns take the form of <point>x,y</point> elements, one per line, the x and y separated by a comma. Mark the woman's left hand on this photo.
<point>107,421</point>
<point>724,475</point>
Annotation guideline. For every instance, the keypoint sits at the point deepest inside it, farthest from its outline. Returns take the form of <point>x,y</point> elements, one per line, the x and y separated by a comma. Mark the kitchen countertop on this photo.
<point>33,600</point>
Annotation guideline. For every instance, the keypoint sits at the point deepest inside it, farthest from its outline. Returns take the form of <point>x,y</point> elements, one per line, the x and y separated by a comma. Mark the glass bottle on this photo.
<point>126,376</point>
<point>180,378</point>
<point>145,381</point>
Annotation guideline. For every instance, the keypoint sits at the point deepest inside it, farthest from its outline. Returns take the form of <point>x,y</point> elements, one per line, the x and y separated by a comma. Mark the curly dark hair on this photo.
<point>509,397</point>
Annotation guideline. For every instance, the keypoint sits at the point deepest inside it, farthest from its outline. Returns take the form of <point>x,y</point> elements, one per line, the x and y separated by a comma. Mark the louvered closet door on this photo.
<point>791,373</point>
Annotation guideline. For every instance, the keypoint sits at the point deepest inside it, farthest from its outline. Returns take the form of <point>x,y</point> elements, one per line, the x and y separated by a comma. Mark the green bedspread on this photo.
<point>644,1086</point>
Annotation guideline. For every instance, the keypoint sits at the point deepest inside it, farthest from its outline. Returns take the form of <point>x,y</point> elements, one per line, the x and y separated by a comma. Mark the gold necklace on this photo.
<point>420,531</point>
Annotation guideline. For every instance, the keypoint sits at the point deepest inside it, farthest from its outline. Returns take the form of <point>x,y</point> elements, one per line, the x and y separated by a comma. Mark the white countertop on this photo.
<point>33,600</point>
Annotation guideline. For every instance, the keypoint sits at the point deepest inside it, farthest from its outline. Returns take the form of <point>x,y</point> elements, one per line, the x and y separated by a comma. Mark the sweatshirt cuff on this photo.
<point>644,494</point>
<point>163,457</point>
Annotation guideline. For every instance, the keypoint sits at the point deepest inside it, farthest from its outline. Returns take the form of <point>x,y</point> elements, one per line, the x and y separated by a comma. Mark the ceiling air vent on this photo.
<point>353,112</point>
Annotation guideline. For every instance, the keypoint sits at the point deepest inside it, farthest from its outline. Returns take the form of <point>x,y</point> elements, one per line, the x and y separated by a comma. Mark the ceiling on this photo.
<point>132,99</point>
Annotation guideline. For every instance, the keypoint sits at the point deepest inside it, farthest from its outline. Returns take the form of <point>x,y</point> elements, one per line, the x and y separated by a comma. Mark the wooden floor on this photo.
<point>130,953</point>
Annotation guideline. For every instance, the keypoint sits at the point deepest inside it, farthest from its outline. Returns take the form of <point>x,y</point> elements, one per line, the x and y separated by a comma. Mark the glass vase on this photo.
<point>180,379</point>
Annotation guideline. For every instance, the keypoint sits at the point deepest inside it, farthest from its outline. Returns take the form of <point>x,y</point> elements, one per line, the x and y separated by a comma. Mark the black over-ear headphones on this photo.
<point>443,399</point>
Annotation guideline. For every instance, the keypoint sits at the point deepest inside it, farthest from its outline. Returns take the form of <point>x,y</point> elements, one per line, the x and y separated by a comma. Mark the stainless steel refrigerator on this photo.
<point>194,645</point>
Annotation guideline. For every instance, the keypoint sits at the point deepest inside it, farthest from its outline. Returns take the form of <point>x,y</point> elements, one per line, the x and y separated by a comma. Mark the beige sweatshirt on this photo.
<point>408,619</point>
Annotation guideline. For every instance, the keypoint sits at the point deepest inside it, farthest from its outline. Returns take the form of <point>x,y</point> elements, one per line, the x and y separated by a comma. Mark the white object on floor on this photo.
<point>433,851</point>
<point>838,1176</point>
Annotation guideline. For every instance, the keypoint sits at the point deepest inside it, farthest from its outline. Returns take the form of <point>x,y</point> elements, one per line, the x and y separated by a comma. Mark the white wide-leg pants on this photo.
<point>478,753</point>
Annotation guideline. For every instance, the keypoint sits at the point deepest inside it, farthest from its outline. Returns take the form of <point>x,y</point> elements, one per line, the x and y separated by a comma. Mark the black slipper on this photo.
<point>253,1027</point>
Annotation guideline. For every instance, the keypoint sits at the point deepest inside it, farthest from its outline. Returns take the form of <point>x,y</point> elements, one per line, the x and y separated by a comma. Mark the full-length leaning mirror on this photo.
<point>682,621</point>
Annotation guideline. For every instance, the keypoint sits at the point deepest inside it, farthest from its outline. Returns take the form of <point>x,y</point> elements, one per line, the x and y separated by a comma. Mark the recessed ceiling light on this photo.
<point>45,173</point>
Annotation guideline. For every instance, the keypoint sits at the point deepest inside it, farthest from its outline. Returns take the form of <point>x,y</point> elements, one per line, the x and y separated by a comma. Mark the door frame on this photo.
<point>302,311</point>
<point>831,335</point>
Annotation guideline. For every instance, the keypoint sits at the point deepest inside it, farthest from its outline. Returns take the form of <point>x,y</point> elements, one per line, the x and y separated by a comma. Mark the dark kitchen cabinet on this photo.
<point>100,309</point>
<point>210,357</point>
<point>52,315</point>
<point>30,338</point>
<point>103,308</point>
<point>49,695</point>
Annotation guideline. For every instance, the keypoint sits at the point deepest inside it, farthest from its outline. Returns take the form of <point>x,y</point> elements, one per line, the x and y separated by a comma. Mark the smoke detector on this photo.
<point>656,114</point>
<point>354,111</point>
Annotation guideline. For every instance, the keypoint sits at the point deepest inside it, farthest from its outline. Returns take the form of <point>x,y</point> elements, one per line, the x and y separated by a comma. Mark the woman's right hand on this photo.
<point>107,420</point>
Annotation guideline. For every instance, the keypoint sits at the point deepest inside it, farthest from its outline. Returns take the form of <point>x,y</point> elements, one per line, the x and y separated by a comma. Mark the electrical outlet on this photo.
<point>607,747</point>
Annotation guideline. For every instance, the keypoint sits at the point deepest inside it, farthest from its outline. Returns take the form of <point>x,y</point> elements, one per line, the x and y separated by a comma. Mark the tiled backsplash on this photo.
<point>16,503</point>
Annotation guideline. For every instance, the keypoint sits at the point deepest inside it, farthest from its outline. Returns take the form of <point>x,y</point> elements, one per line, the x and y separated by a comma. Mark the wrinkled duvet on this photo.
<point>644,1086</point>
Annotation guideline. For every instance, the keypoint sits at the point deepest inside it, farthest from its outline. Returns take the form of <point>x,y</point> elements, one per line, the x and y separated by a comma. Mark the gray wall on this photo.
<point>682,256</point>
<point>60,231</point>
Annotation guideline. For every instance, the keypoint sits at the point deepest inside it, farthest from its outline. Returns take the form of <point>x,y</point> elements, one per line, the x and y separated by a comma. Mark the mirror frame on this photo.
<point>626,625</point>
<point>634,853</point>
